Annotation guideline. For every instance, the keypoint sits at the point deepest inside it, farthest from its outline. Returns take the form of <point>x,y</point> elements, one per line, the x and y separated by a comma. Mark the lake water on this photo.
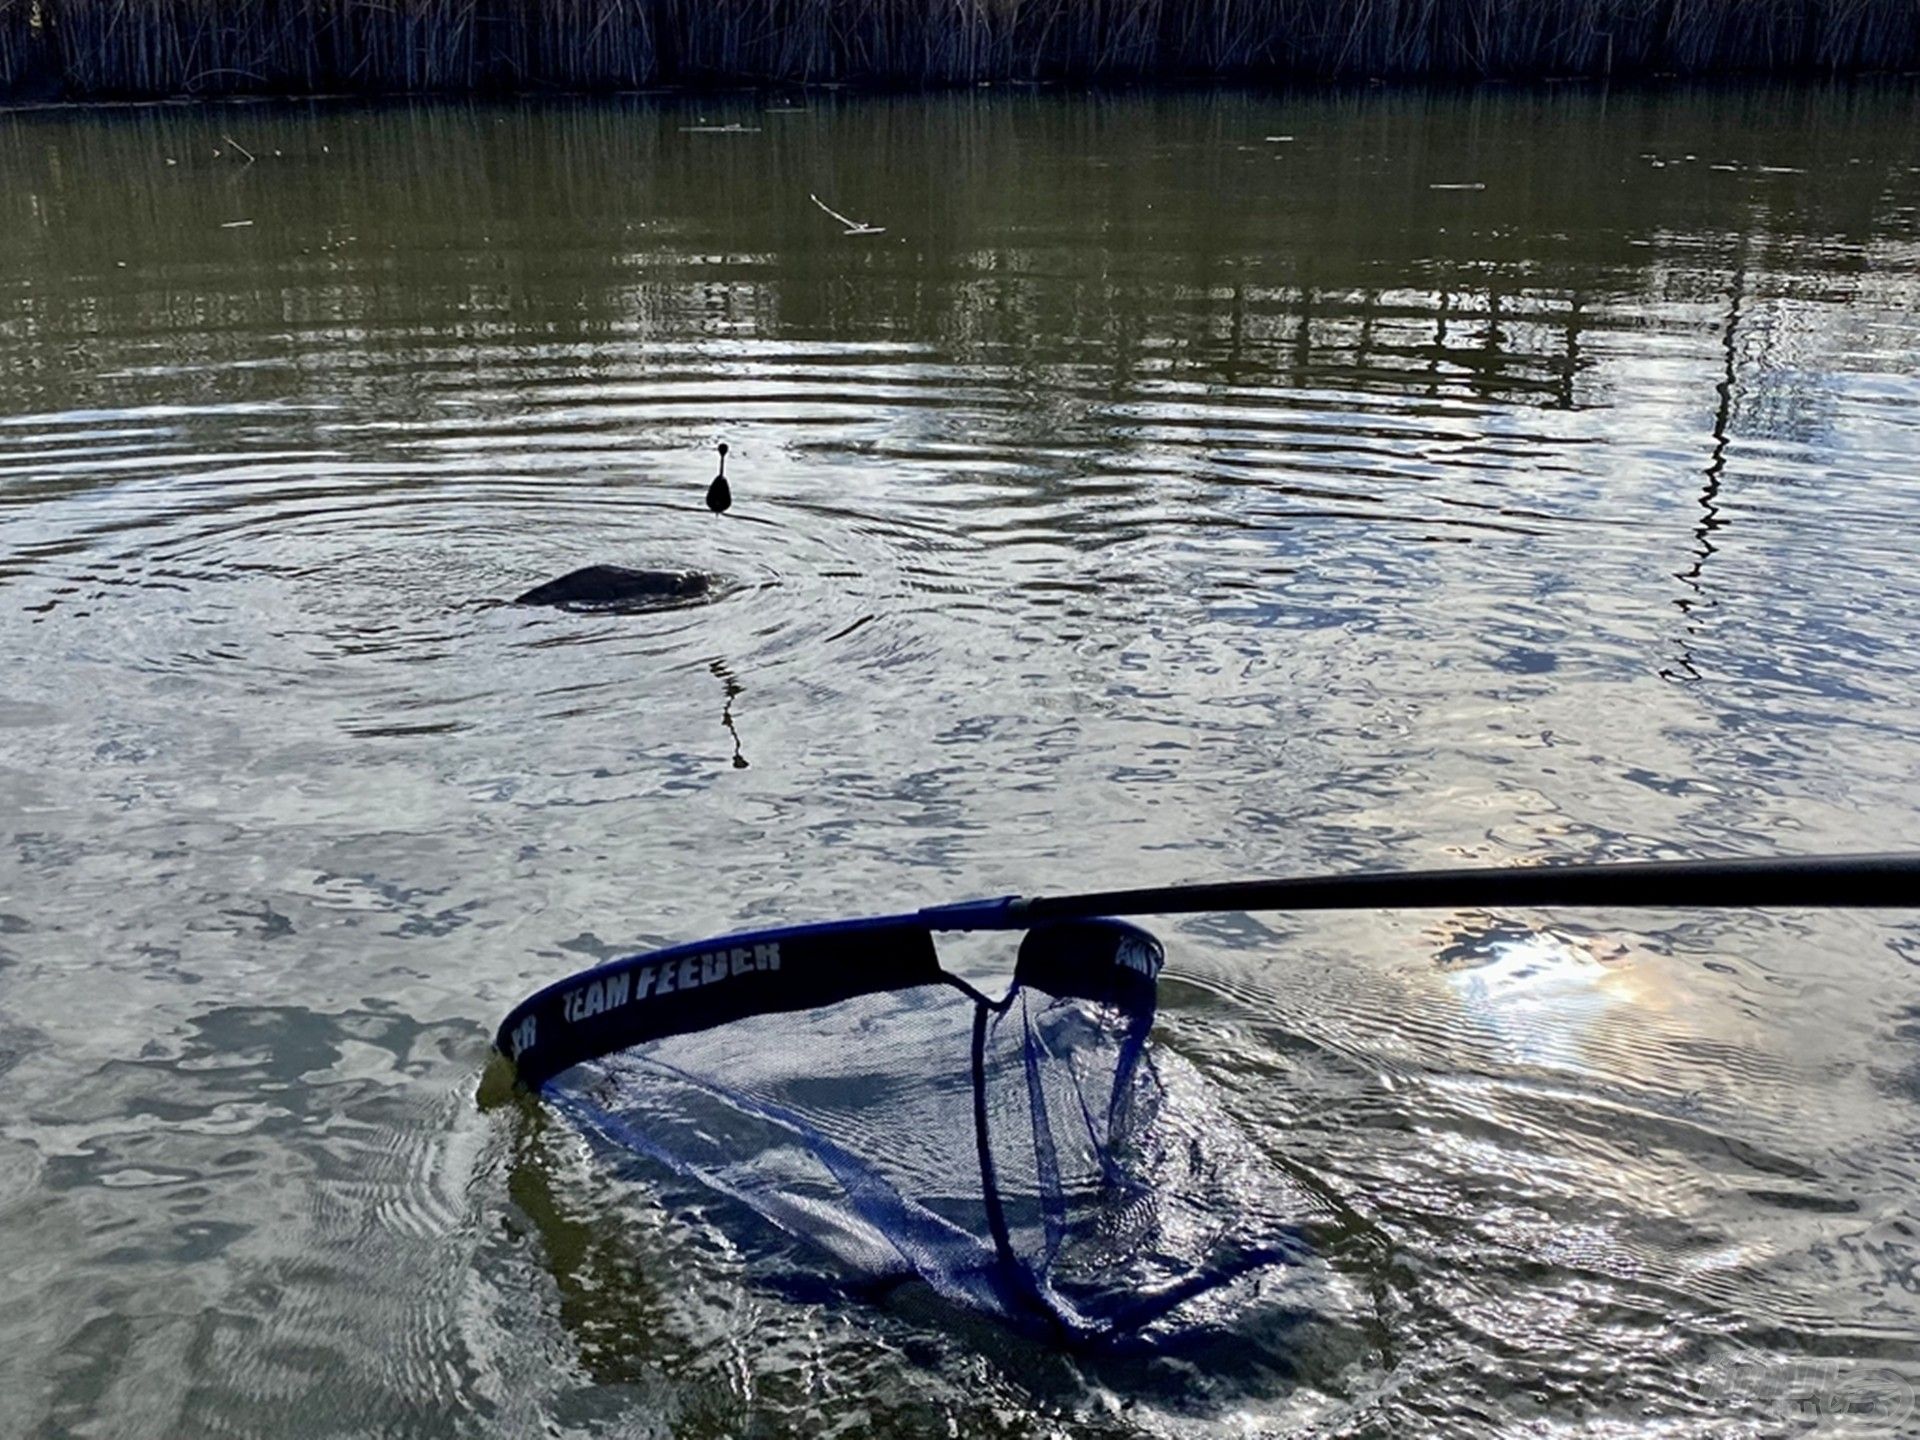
<point>1187,486</point>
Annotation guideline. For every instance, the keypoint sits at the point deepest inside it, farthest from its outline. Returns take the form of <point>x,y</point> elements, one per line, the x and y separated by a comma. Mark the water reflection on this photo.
<point>1710,519</point>
<point>733,689</point>
<point>1143,497</point>
<point>1540,993</point>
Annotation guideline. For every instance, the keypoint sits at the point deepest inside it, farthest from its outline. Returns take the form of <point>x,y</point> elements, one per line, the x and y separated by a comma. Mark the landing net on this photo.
<point>1029,1156</point>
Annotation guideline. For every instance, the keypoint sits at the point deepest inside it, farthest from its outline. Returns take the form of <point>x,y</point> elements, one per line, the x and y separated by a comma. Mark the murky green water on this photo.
<point>1183,487</point>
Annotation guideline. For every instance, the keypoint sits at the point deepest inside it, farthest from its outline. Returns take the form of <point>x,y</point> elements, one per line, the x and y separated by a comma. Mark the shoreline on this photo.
<point>742,91</point>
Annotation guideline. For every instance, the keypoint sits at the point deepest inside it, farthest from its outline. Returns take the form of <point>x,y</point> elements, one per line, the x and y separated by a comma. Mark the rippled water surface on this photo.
<point>1200,486</point>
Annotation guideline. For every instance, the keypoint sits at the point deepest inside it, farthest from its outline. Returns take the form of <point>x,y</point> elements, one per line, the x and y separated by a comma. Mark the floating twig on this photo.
<point>238,146</point>
<point>854,227</point>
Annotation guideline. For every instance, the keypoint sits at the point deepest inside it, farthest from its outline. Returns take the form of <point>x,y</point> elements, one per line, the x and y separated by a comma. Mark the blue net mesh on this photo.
<point>1025,1157</point>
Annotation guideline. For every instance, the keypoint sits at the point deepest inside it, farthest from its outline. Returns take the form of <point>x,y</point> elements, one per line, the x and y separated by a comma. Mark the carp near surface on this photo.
<point>608,587</point>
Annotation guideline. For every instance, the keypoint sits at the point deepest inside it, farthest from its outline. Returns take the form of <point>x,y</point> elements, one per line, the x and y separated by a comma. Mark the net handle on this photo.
<point>1855,881</point>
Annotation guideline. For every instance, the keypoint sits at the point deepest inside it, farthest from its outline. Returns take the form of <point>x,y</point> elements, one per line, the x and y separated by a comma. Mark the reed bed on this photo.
<point>198,47</point>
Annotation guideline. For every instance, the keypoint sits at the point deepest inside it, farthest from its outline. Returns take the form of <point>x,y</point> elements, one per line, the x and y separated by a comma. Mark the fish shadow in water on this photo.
<point>618,590</point>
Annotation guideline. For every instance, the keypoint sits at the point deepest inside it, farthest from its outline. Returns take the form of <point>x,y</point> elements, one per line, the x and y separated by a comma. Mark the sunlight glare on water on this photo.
<point>1192,486</point>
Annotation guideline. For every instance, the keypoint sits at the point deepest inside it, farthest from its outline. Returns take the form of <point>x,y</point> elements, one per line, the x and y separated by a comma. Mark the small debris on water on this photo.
<point>854,227</point>
<point>235,224</point>
<point>1458,185</point>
